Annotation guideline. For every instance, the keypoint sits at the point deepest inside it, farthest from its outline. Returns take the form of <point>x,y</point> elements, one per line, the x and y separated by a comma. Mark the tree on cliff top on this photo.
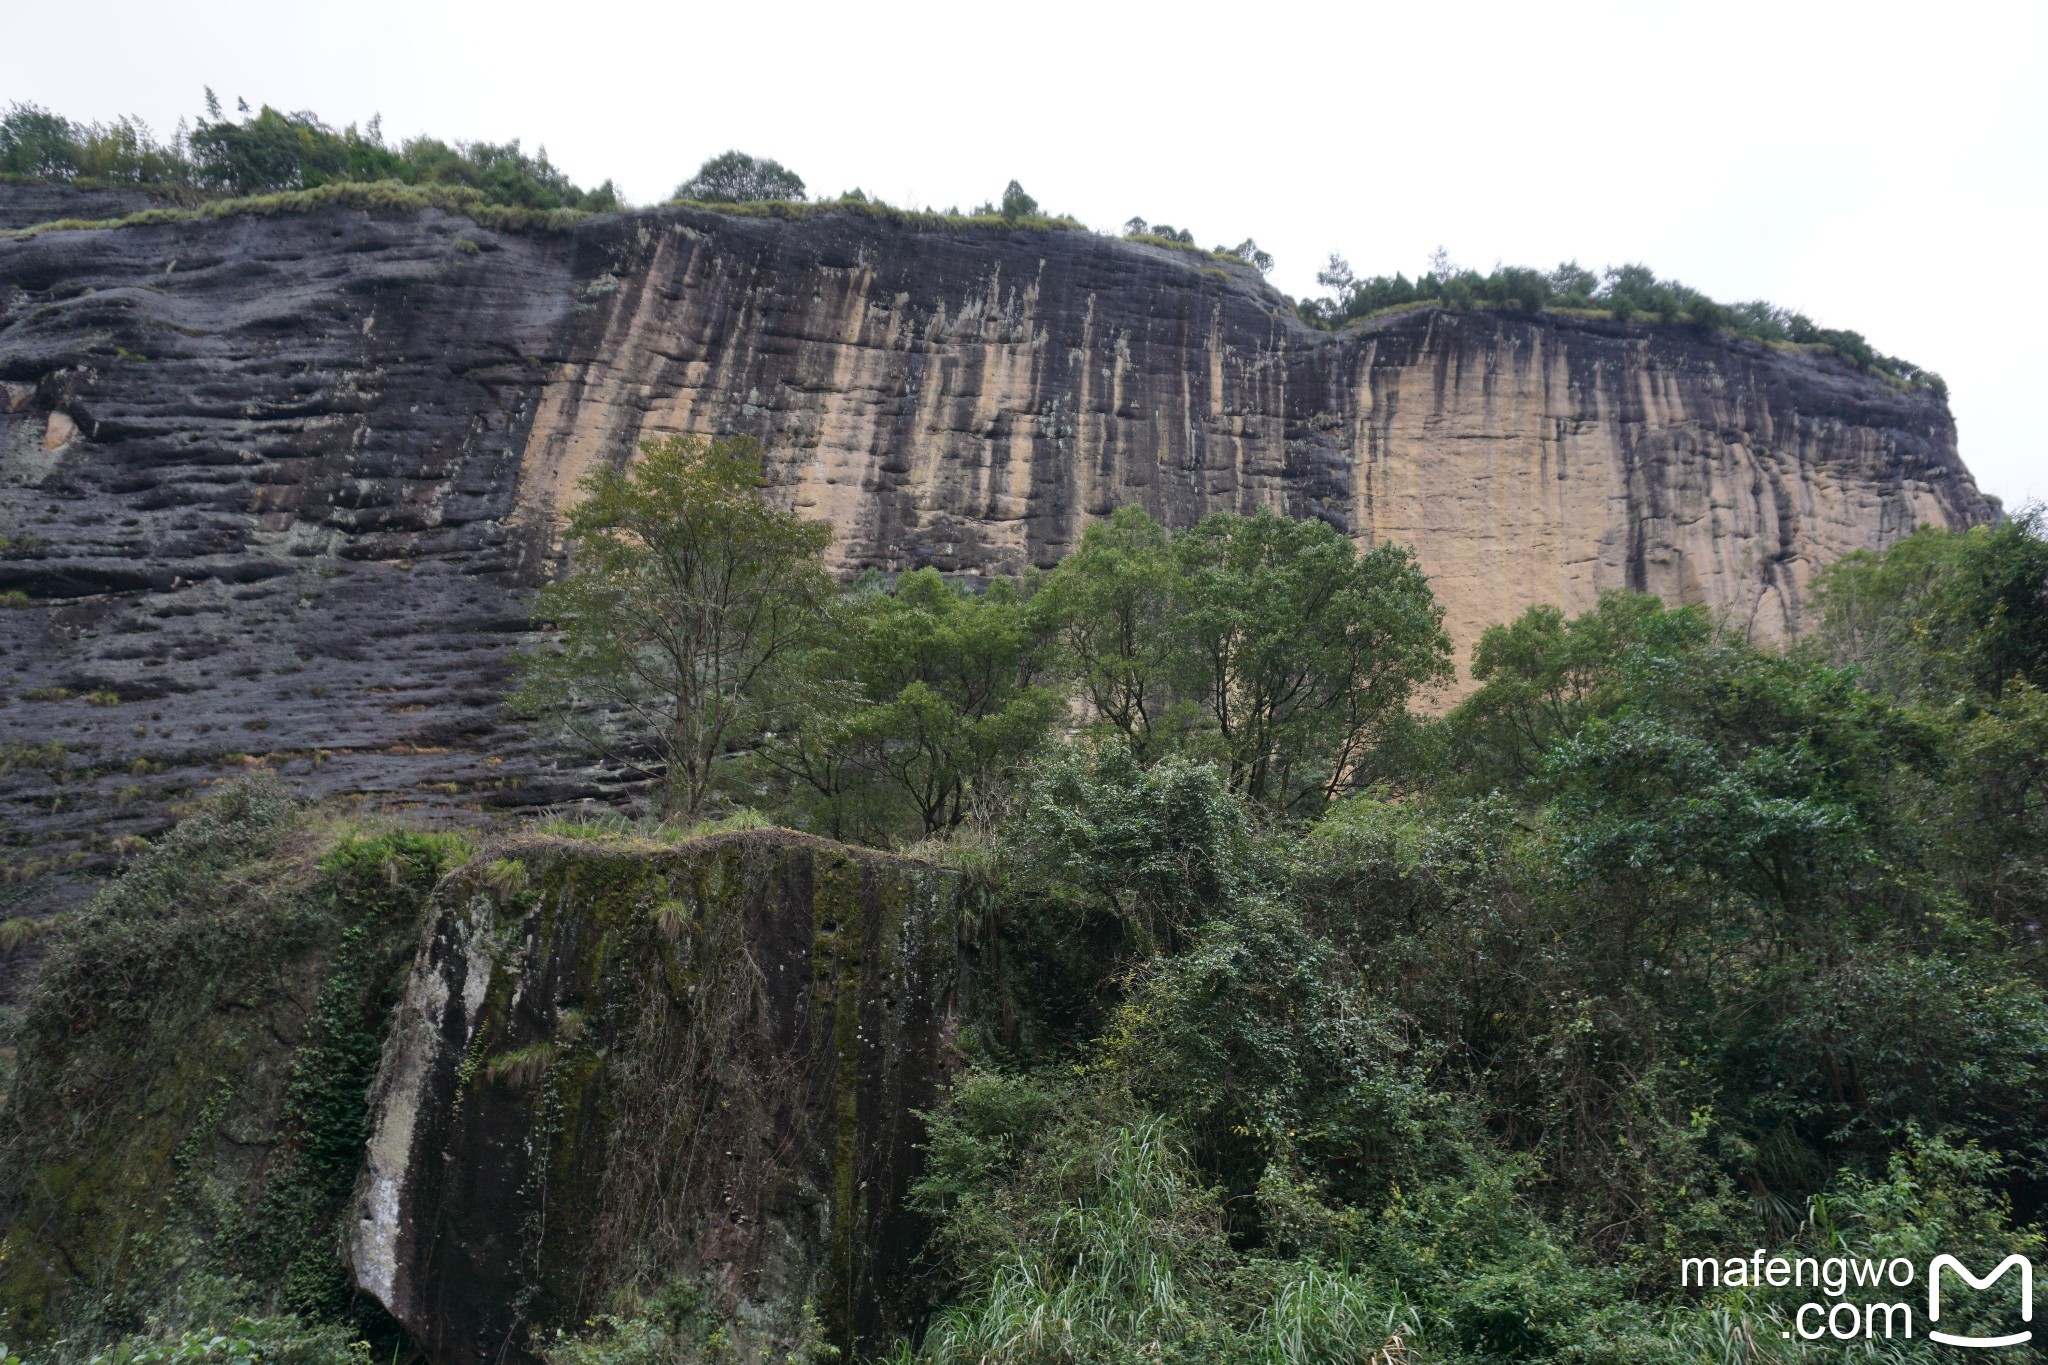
<point>687,601</point>
<point>736,178</point>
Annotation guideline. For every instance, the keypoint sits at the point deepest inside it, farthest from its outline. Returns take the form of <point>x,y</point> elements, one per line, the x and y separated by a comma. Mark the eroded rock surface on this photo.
<point>277,488</point>
<point>628,1067</point>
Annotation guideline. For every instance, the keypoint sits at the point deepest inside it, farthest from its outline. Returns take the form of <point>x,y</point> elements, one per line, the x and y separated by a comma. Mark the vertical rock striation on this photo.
<point>276,487</point>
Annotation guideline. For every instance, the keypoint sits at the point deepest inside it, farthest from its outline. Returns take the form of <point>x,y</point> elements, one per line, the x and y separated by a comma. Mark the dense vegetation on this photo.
<point>1622,292</point>
<point>178,1149</point>
<point>1304,1029</point>
<point>1321,1031</point>
<point>270,151</point>
<point>1312,1030</point>
<point>736,178</point>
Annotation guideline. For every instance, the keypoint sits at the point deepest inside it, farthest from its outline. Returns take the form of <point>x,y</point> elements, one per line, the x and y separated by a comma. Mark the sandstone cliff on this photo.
<point>276,487</point>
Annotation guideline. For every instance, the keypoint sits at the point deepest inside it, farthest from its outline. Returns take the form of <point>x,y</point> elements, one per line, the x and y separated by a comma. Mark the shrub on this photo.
<point>736,178</point>
<point>271,152</point>
<point>1622,292</point>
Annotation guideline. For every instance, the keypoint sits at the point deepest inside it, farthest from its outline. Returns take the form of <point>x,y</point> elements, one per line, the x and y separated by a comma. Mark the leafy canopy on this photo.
<point>687,603</point>
<point>1273,645</point>
<point>736,178</point>
<point>270,151</point>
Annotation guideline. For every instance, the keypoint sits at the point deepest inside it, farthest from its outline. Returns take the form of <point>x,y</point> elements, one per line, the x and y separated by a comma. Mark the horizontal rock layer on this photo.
<point>277,488</point>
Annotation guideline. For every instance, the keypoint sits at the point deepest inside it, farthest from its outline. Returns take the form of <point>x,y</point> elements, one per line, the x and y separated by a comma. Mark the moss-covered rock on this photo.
<point>195,1054</point>
<point>623,1066</point>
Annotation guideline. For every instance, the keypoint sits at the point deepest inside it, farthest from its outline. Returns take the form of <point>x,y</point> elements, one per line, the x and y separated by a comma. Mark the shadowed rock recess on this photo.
<point>619,1067</point>
<point>277,488</point>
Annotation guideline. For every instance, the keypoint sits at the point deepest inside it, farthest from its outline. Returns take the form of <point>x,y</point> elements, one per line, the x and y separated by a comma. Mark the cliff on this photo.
<point>610,1071</point>
<point>621,1070</point>
<point>191,1099</point>
<point>276,487</point>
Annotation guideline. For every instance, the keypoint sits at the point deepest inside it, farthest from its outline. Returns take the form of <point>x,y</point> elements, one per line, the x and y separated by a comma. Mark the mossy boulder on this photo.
<point>623,1066</point>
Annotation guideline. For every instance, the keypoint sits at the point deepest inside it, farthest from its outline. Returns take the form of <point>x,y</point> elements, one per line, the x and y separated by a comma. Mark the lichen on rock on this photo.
<point>584,1103</point>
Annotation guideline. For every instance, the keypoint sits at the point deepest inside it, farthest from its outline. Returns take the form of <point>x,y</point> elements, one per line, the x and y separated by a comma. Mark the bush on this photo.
<point>736,178</point>
<point>1623,292</point>
<point>270,152</point>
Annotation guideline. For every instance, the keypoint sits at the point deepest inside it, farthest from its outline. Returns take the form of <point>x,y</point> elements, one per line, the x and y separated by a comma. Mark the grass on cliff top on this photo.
<point>915,219</point>
<point>471,203</point>
<point>376,194</point>
<point>613,827</point>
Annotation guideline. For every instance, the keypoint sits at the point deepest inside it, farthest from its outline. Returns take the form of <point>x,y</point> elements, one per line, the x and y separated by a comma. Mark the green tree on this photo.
<point>1160,848</point>
<point>1944,613</point>
<point>1302,652</point>
<point>736,178</point>
<point>36,142</point>
<point>921,712</point>
<point>269,151</point>
<point>687,603</point>
<point>1109,611</point>
<point>1017,204</point>
<point>1543,675</point>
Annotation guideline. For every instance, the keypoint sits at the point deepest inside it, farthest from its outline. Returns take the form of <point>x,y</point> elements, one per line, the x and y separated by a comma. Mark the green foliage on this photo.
<point>1158,848</point>
<point>1301,650</point>
<point>243,1341</point>
<point>736,178</point>
<point>1272,645</point>
<point>1299,1028</point>
<point>1109,609</point>
<point>1165,234</point>
<point>36,142</point>
<point>1542,676</point>
<point>917,713</point>
<point>1623,292</point>
<point>39,145</point>
<point>381,194</point>
<point>1248,252</point>
<point>271,152</point>
<point>1944,614</point>
<point>687,601</point>
<point>170,1018</point>
<point>683,1324</point>
<point>1016,204</point>
<point>1659,945</point>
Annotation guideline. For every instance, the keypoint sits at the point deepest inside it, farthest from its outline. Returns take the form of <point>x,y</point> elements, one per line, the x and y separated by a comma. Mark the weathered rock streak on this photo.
<point>281,485</point>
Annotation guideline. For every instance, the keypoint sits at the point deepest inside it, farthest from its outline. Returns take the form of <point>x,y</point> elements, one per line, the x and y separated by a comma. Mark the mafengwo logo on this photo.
<point>2013,1262</point>
<point>1851,1289</point>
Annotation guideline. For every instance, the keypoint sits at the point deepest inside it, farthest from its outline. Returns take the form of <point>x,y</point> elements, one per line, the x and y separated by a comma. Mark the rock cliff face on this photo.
<point>276,488</point>
<point>620,1069</point>
<point>589,1071</point>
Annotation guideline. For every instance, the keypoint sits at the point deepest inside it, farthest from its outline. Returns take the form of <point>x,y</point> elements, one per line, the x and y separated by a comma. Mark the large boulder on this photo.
<point>620,1066</point>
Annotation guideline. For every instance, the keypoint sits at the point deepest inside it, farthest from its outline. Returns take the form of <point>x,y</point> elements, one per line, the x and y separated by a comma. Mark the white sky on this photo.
<point>1881,168</point>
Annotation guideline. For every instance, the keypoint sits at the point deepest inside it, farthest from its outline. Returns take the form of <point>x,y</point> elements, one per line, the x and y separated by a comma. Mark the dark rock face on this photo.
<point>276,489</point>
<point>636,1066</point>
<point>27,205</point>
<point>254,476</point>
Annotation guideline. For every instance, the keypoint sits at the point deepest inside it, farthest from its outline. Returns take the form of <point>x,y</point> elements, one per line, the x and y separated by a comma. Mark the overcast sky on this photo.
<point>1884,169</point>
